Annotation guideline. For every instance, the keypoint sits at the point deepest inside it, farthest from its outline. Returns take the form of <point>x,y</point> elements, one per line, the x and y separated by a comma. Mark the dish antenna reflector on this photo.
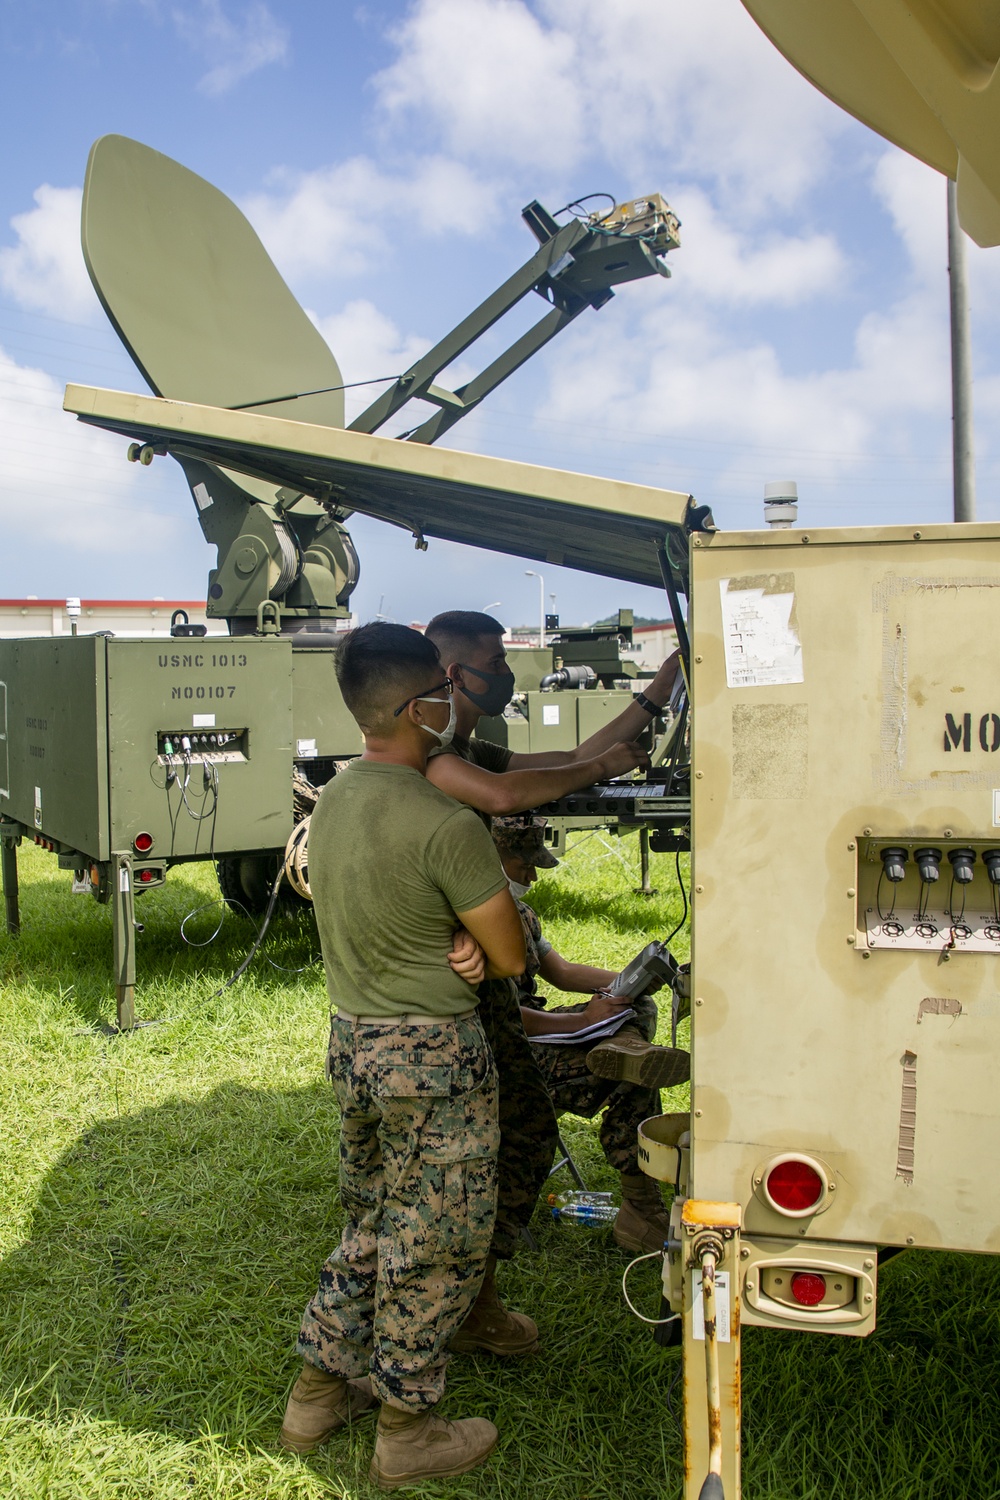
<point>193,294</point>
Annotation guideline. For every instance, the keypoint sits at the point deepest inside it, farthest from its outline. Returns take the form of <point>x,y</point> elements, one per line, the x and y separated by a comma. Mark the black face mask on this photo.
<point>497,694</point>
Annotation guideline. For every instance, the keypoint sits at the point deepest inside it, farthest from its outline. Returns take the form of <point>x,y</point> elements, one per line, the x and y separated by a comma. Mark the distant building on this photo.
<point>124,617</point>
<point>651,644</point>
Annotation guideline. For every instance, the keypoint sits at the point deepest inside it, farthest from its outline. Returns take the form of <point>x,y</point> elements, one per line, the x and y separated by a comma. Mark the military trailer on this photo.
<point>845,827</point>
<point>126,757</point>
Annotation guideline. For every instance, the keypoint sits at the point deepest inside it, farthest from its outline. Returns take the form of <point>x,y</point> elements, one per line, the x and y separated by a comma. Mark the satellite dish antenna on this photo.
<point>193,294</point>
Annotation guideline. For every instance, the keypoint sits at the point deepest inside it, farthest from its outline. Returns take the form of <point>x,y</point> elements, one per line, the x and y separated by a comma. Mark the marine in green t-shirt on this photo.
<point>396,866</point>
<point>391,860</point>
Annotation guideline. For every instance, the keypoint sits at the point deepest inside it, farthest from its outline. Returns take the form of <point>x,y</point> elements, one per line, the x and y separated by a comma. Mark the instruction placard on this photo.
<point>759,633</point>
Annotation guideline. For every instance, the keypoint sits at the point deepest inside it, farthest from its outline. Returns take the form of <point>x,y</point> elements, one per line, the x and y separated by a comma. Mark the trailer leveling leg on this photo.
<point>123,903</point>
<point>710,1235</point>
<point>8,857</point>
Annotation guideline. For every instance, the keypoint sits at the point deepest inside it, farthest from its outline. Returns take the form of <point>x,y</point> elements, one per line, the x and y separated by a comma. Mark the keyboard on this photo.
<point>638,802</point>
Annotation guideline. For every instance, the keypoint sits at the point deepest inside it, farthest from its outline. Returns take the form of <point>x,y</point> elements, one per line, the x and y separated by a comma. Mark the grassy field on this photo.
<point>169,1196</point>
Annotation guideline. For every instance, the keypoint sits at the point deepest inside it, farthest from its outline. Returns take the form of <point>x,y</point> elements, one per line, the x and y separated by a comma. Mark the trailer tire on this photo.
<point>246,882</point>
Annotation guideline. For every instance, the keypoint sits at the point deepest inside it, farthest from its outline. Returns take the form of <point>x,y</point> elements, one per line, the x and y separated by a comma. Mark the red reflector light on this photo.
<point>794,1186</point>
<point>146,876</point>
<point>808,1288</point>
<point>143,842</point>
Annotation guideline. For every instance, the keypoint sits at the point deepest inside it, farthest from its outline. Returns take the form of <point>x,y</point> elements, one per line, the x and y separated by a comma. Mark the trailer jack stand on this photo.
<point>710,1238</point>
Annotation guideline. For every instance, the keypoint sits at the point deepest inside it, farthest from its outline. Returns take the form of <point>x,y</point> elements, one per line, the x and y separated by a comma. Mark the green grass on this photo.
<point>169,1196</point>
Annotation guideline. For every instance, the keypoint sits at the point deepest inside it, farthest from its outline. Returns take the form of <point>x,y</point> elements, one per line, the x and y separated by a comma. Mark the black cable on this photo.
<point>680,882</point>
<point>269,913</point>
<point>323,391</point>
<point>885,916</point>
<point>578,203</point>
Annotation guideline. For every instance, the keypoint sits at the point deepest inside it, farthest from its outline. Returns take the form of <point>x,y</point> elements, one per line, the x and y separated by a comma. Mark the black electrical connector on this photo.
<point>963,862</point>
<point>929,864</point>
<point>894,863</point>
<point>991,859</point>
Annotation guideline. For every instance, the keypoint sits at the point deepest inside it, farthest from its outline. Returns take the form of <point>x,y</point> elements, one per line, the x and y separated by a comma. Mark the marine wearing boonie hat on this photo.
<point>524,839</point>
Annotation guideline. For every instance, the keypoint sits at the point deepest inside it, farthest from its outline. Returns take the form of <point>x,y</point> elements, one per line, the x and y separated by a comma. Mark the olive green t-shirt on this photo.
<point>481,753</point>
<point>391,860</point>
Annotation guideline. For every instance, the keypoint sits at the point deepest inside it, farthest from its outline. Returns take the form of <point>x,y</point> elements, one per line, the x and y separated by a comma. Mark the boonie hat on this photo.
<point>524,839</point>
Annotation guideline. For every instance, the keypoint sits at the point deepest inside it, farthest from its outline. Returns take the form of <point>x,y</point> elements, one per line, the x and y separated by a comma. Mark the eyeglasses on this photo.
<point>448,686</point>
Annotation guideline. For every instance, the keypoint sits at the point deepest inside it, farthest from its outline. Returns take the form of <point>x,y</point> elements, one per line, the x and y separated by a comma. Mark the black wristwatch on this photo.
<point>648,704</point>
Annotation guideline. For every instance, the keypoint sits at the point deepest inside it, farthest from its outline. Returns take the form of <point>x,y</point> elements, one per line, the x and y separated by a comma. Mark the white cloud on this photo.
<point>336,219</point>
<point>661,90</point>
<point>239,47</point>
<point>746,267</point>
<point>492,77</point>
<point>677,377</point>
<point>45,271</point>
<point>68,485</point>
<point>367,345</point>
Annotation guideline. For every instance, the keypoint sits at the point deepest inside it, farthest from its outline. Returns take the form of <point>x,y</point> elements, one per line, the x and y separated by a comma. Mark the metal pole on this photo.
<point>530,573</point>
<point>963,450</point>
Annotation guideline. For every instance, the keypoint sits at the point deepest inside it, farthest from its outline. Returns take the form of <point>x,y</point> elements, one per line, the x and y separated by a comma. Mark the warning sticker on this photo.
<point>759,631</point>
<point>721,1307</point>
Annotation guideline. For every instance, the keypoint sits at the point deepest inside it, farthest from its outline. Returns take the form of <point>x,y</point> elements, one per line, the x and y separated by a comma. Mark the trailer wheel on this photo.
<point>246,881</point>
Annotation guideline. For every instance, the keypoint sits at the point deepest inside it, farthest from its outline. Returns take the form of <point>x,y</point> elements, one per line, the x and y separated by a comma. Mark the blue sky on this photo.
<point>383,152</point>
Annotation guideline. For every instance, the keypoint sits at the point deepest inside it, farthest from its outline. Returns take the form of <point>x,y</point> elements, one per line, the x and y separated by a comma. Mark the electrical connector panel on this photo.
<point>178,747</point>
<point>931,895</point>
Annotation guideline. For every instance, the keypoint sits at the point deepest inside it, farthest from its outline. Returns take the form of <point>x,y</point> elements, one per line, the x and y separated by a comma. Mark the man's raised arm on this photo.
<point>501,792</point>
<point>629,724</point>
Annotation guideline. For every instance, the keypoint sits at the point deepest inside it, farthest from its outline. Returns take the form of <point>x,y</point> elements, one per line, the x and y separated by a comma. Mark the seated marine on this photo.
<point>620,1075</point>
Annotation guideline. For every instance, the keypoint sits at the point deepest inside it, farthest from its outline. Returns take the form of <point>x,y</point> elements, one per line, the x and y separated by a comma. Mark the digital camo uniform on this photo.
<point>572,1087</point>
<point>528,1129</point>
<point>418,1147</point>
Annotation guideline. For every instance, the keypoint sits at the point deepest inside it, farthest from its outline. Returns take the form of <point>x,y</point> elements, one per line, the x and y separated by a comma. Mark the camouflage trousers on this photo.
<point>418,1146</point>
<point>528,1130</point>
<point>575,1090</point>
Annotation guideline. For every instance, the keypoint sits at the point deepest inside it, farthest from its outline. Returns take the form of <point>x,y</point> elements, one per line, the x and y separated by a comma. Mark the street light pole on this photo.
<point>528,573</point>
<point>963,448</point>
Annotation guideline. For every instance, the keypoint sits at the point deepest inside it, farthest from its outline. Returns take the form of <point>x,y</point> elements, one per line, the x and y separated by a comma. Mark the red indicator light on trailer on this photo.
<point>808,1288</point>
<point>142,843</point>
<point>794,1186</point>
<point>146,876</point>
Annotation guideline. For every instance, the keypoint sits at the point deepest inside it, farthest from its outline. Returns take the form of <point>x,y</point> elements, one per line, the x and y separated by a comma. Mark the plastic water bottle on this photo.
<point>583,1208</point>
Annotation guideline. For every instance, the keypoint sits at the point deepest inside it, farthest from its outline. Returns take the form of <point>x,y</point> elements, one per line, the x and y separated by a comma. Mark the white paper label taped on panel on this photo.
<point>761,642</point>
<point>550,713</point>
<point>721,1307</point>
<point>201,496</point>
<point>996,808</point>
<point>203,721</point>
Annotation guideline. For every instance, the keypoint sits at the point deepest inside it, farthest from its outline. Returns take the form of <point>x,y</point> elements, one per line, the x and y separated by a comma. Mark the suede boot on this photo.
<point>627,1057</point>
<point>643,1221</point>
<point>490,1326</point>
<point>319,1404</point>
<point>415,1445</point>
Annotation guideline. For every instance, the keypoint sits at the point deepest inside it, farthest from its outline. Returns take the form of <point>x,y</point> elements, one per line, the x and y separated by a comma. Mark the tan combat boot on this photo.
<point>415,1445</point>
<point>627,1057</point>
<point>643,1221</point>
<point>319,1404</point>
<point>490,1326</point>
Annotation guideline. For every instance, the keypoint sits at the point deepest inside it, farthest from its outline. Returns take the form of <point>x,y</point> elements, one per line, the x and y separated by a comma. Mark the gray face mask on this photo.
<point>446,735</point>
<point>517,890</point>
<point>498,692</point>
